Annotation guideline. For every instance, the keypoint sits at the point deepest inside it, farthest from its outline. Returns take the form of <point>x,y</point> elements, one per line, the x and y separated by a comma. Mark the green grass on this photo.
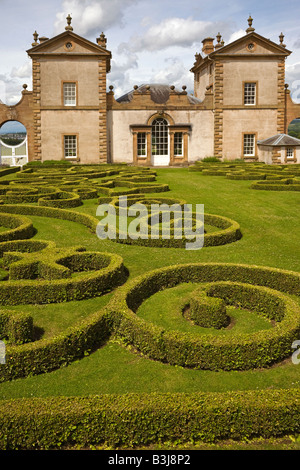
<point>116,369</point>
<point>163,309</point>
<point>270,226</point>
<point>4,229</point>
<point>52,319</point>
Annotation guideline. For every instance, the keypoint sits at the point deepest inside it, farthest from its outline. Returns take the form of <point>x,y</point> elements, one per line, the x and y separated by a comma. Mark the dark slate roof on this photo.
<point>159,94</point>
<point>280,140</point>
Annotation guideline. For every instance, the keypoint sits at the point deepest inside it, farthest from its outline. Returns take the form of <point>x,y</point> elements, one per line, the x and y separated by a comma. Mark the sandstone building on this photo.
<point>240,108</point>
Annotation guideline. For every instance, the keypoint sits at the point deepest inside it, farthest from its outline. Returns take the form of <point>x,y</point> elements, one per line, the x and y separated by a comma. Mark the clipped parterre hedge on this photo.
<point>15,327</point>
<point>259,287</point>
<point>53,272</point>
<point>76,182</point>
<point>18,227</point>
<point>229,229</point>
<point>143,419</point>
<point>206,311</point>
<point>56,213</point>
<point>48,354</point>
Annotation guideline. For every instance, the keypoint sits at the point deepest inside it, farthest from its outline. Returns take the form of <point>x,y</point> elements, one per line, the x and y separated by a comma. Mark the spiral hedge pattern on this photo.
<point>247,285</point>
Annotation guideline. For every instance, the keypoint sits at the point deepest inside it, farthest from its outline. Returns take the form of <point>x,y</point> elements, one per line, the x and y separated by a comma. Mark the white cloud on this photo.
<point>24,71</point>
<point>10,90</point>
<point>293,79</point>
<point>292,73</point>
<point>175,73</point>
<point>147,52</point>
<point>297,44</point>
<point>121,86</point>
<point>120,76</point>
<point>174,32</point>
<point>130,63</point>
<point>236,35</point>
<point>11,83</point>
<point>91,16</point>
<point>170,71</point>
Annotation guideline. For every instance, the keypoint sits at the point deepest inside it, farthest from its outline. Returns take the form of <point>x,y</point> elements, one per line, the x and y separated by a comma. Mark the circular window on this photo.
<point>69,46</point>
<point>251,47</point>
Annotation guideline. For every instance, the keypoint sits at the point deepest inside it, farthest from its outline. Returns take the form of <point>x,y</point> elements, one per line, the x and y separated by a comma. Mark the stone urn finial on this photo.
<point>69,20</point>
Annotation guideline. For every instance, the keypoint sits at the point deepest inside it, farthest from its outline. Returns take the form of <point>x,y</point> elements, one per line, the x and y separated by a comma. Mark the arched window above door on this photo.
<point>160,141</point>
<point>160,137</point>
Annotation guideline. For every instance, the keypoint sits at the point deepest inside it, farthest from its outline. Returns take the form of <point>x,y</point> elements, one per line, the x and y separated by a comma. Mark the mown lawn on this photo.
<point>270,226</point>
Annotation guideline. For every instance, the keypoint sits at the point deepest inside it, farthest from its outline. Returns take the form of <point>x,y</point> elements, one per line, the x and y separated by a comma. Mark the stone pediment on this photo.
<point>68,43</point>
<point>251,44</point>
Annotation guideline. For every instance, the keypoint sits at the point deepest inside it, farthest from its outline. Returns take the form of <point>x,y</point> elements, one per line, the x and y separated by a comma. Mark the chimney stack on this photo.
<point>208,45</point>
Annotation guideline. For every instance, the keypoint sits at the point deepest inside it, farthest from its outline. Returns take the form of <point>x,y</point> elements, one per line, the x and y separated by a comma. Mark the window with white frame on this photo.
<point>70,146</point>
<point>141,144</point>
<point>290,153</point>
<point>250,94</point>
<point>249,145</point>
<point>178,144</point>
<point>160,137</point>
<point>69,91</point>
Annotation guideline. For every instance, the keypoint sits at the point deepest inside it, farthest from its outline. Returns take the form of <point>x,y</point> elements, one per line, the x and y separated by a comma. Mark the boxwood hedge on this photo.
<point>61,199</point>
<point>229,232</point>
<point>135,180</point>
<point>8,171</point>
<point>55,283</point>
<point>16,327</point>
<point>56,213</point>
<point>239,352</point>
<point>206,311</point>
<point>45,355</point>
<point>275,186</point>
<point>257,285</point>
<point>19,227</point>
<point>143,419</point>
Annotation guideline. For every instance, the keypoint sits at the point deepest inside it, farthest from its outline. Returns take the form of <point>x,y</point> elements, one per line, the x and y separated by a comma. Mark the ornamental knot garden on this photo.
<point>148,289</point>
<point>38,272</point>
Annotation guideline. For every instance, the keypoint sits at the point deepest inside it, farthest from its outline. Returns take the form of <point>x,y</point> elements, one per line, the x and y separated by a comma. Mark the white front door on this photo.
<point>160,143</point>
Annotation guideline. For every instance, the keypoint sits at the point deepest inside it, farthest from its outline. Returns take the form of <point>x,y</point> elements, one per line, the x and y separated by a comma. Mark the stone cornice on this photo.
<point>144,102</point>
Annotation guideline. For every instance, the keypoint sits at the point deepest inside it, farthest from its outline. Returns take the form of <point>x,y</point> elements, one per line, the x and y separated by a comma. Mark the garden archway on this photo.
<point>13,144</point>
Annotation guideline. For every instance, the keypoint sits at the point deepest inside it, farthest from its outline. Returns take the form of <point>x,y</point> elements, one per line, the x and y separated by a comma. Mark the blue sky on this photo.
<point>150,41</point>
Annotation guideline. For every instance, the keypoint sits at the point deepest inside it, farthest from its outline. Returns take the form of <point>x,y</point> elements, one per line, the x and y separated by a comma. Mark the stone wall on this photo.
<point>24,113</point>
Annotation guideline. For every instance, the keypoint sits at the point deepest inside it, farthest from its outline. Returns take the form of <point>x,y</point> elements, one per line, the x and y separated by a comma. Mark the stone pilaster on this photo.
<point>218,110</point>
<point>36,93</point>
<point>281,99</point>
<point>102,112</point>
